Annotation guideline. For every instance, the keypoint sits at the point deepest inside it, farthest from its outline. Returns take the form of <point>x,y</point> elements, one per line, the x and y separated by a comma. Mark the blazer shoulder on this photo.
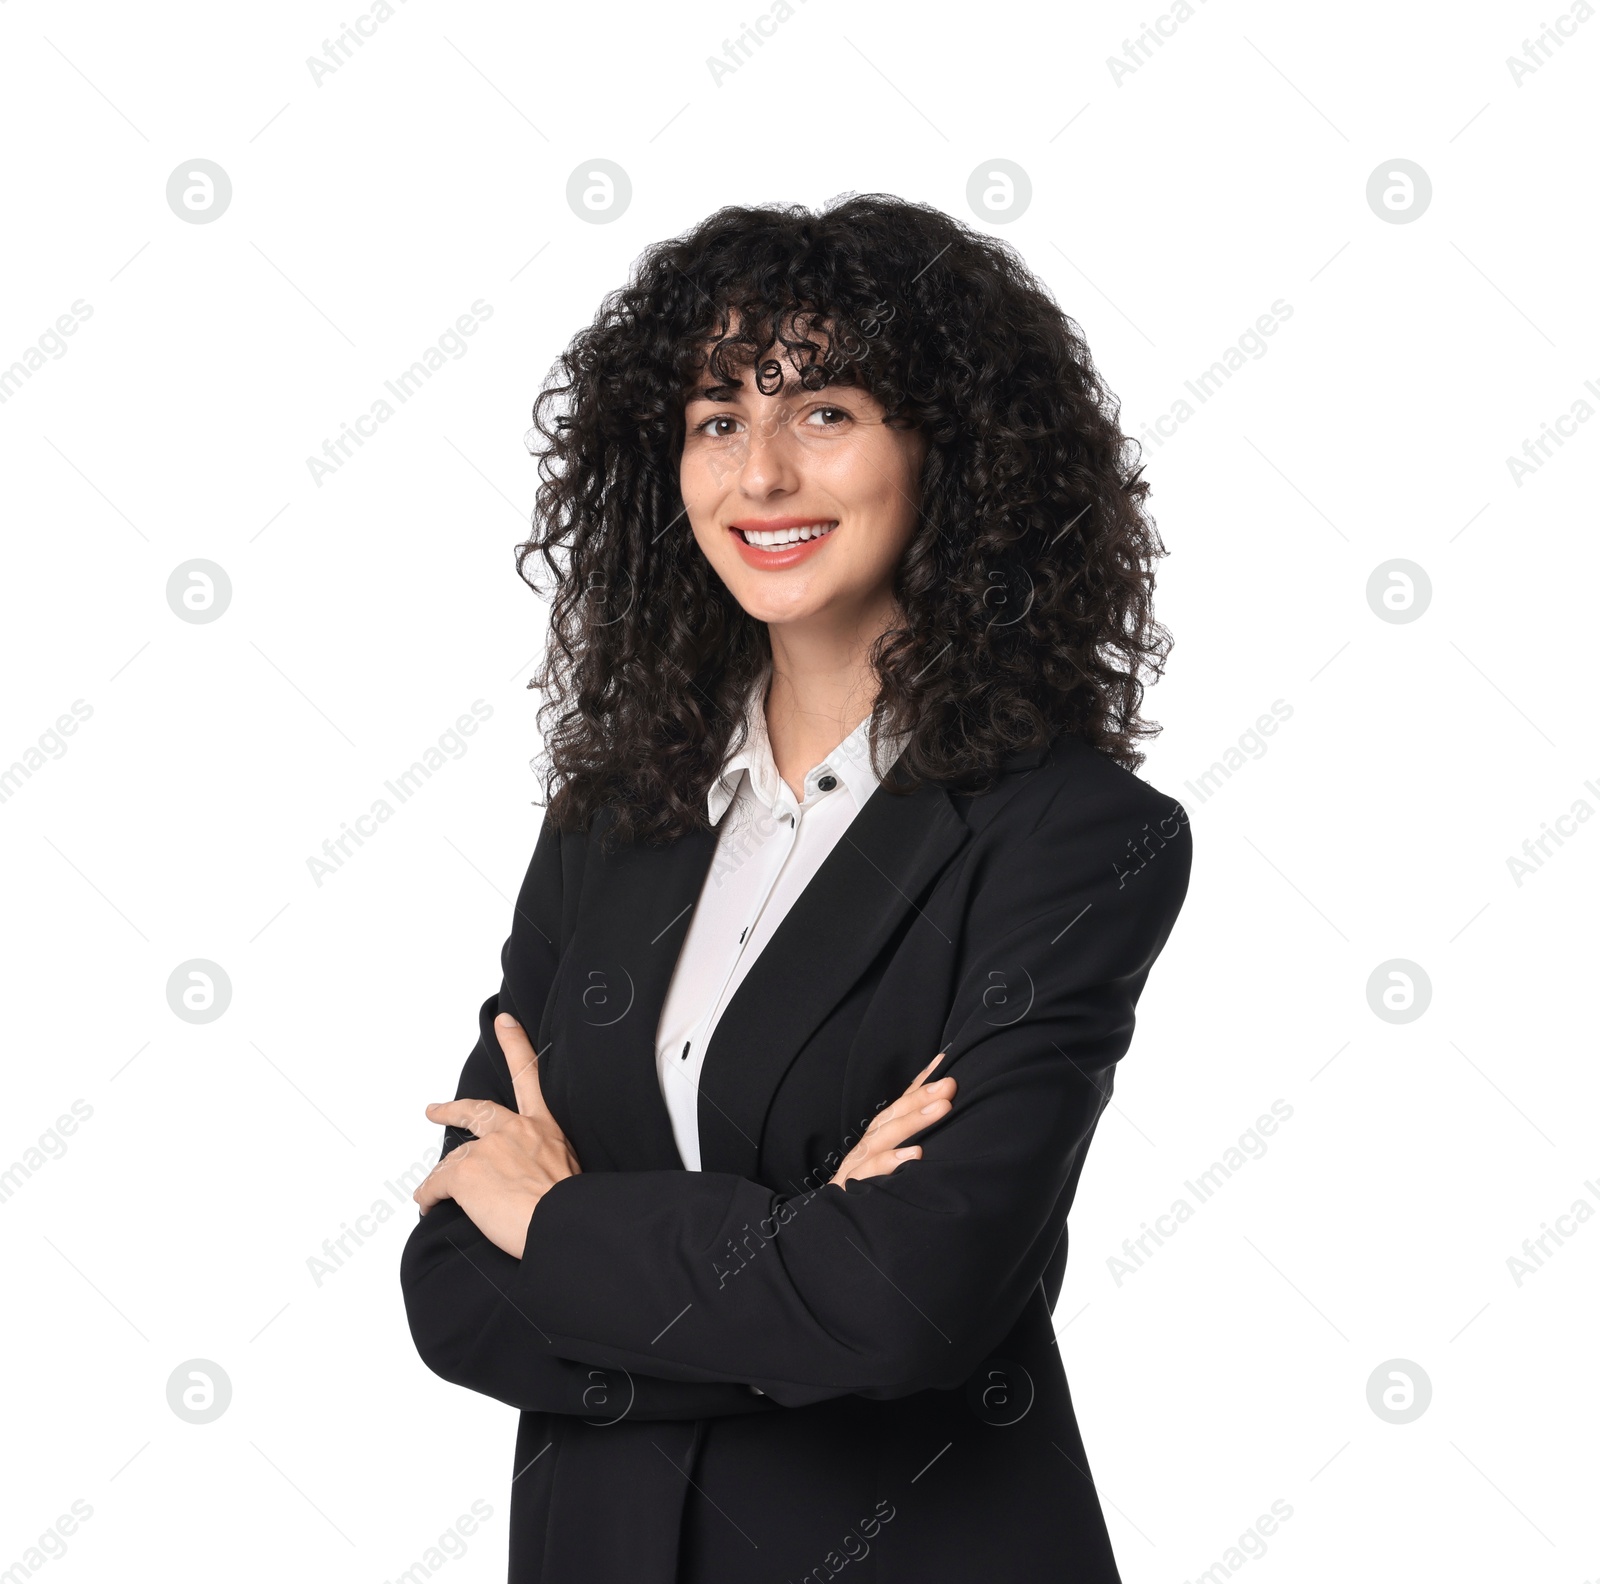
<point>1078,830</point>
<point>1071,780</point>
<point>1078,765</point>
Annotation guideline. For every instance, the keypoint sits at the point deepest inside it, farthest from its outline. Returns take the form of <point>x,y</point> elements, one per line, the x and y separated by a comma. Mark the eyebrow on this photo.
<point>728,392</point>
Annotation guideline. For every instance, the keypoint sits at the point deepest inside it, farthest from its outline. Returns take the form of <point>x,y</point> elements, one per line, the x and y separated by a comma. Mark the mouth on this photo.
<point>778,533</point>
<point>775,543</point>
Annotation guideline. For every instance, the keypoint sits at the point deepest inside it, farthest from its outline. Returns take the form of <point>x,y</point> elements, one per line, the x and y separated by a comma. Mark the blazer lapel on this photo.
<point>599,1073</point>
<point>597,1046</point>
<point>866,886</point>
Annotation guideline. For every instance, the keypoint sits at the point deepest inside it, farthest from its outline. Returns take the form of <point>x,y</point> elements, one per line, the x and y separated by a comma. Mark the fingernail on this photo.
<point>932,1105</point>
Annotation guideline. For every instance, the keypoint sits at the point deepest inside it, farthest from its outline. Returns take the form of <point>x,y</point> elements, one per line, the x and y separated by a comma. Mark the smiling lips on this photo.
<point>775,543</point>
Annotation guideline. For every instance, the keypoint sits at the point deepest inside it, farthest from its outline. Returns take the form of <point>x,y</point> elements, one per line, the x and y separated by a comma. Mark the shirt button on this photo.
<point>827,784</point>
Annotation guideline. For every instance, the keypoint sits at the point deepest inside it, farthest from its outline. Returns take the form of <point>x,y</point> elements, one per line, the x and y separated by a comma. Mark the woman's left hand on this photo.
<point>517,1157</point>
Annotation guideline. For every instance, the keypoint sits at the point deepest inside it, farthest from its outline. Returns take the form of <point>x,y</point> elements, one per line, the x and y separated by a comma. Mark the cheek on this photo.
<point>888,547</point>
<point>711,543</point>
<point>689,482</point>
<point>882,476</point>
<point>704,478</point>
<point>700,510</point>
<point>694,488</point>
<point>895,489</point>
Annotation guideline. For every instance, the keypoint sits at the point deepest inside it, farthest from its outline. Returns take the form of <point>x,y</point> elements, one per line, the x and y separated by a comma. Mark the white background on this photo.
<point>369,611</point>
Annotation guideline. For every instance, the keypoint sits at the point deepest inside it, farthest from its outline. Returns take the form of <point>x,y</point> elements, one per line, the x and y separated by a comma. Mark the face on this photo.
<point>803,501</point>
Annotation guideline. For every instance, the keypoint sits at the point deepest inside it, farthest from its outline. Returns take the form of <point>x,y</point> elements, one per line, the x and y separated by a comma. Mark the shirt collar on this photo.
<point>850,763</point>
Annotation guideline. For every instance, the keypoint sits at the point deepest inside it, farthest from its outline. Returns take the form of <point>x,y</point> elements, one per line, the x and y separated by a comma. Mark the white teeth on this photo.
<point>786,536</point>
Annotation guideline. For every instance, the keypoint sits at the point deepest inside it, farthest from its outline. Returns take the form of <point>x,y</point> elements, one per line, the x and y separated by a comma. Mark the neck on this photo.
<point>823,686</point>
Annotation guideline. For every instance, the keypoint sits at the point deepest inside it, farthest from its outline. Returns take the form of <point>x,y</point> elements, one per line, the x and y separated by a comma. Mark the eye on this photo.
<point>829,417</point>
<point>709,426</point>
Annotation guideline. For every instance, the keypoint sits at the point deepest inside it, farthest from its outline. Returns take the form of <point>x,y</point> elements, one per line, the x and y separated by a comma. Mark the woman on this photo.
<point>833,933</point>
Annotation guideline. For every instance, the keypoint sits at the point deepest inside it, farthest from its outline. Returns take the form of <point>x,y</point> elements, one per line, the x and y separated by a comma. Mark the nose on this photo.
<point>769,465</point>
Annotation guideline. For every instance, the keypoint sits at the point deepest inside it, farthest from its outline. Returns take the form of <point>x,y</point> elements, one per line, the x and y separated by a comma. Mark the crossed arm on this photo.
<point>516,1157</point>
<point>458,1268</point>
<point>881,1283</point>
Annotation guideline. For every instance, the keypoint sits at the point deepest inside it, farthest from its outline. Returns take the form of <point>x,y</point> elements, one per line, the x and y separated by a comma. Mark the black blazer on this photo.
<point>744,1373</point>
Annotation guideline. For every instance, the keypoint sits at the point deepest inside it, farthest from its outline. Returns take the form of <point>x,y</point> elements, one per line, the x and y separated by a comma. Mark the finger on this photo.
<point>880,1164</point>
<point>895,1129</point>
<point>482,1117</point>
<point>435,1186</point>
<point>523,1063</point>
<point>913,1102</point>
<point>924,1073</point>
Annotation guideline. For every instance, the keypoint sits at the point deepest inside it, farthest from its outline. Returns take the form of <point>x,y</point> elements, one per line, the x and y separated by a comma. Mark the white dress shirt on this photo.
<point>768,848</point>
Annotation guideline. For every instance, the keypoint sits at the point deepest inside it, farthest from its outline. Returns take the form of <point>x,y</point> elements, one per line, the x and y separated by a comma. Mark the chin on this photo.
<point>778,613</point>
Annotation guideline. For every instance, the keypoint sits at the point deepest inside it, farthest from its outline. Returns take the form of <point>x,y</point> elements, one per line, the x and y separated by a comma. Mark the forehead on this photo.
<point>790,388</point>
<point>769,345</point>
<point>733,369</point>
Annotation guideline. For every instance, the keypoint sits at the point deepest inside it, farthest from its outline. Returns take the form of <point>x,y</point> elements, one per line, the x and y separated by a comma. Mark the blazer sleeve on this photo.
<point>908,1281</point>
<point>468,1324</point>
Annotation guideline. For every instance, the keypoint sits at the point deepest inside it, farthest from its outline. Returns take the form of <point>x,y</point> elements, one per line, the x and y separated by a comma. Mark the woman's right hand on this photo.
<point>882,1147</point>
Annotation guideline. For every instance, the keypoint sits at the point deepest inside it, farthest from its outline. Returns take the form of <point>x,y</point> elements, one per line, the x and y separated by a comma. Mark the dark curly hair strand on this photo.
<point>1026,588</point>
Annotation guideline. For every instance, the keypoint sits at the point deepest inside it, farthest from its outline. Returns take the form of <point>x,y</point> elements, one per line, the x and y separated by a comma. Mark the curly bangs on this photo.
<point>1024,594</point>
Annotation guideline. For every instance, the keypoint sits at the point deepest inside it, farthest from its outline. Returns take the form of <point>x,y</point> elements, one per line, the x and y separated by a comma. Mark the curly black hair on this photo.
<point>1025,591</point>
